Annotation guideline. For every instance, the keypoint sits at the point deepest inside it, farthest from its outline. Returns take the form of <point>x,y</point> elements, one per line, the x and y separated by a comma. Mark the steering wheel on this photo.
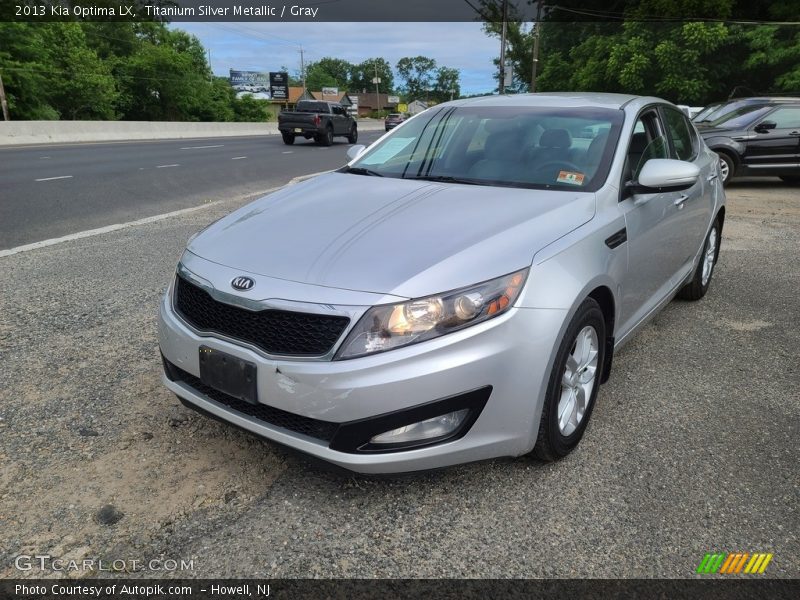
<point>564,165</point>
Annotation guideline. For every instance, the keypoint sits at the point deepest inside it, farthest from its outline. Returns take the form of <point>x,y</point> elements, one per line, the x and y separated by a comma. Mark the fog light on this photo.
<point>423,430</point>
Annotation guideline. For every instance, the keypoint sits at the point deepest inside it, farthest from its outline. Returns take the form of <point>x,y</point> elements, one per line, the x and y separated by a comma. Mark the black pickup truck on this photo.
<point>319,120</point>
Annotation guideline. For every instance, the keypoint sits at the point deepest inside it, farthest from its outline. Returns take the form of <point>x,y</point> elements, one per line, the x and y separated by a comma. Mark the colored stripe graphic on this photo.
<point>734,562</point>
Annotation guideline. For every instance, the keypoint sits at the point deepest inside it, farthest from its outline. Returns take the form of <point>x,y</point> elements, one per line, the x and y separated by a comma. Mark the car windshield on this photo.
<point>703,114</point>
<point>741,117</point>
<point>529,147</point>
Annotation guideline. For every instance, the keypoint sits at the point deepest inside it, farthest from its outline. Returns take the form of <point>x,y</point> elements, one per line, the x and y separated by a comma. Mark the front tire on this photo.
<point>288,138</point>
<point>573,384</point>
<point>701,280</point>
<point>727,167</point>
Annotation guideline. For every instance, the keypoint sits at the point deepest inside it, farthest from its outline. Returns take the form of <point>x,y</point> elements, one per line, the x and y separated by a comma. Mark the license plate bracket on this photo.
<point>228,374</point>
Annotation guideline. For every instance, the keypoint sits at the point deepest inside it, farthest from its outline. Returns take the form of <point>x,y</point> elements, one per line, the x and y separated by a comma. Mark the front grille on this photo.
<point>274,331</point>
<point>321,430</point>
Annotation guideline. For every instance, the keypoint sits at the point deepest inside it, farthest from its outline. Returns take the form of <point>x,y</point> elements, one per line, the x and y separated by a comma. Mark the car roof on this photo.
<point>561,99</point>
<point>760,100</point>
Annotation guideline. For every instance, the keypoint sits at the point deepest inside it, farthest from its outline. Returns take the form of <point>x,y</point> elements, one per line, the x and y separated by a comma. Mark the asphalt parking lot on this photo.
<point>692,448</point>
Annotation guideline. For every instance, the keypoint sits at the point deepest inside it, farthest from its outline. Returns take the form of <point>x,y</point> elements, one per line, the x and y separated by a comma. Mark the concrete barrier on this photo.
<point>14,133</point>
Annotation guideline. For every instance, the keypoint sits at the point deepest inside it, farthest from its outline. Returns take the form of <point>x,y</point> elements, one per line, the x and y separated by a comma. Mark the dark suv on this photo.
<point>760,136</point>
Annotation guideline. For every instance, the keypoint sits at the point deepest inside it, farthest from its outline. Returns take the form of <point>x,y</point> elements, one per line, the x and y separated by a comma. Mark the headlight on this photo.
<point>393,325</point>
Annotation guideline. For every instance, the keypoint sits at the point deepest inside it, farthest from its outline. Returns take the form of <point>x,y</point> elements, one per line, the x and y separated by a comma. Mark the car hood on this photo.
<point>391,236</point>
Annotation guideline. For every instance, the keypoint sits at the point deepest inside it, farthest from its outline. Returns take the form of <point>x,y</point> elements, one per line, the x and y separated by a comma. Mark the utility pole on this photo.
<point>3,100</point>
<point>377,93</point>
<point>502,86</point>
<point>536,32</point>
<point>302,69</point>
<point>210,70</point>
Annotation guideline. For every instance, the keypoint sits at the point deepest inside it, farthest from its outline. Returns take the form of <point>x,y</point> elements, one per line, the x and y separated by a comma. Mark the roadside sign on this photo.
<point>248,79</point>
<point>402,107</point>
<point>279,85</point>
<point>330,91</point>
<point>393,99</point>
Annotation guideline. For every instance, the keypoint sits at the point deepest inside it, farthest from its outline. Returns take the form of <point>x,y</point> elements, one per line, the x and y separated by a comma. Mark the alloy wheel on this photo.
<point>578,380</point>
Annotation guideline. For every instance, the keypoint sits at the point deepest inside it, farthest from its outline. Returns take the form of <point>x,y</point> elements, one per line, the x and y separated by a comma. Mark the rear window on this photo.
<point>313,107</point>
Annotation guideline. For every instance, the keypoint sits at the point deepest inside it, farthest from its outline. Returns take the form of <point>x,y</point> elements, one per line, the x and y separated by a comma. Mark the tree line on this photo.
<point>147,71</point>
<point>420,77</point>
<point>623,47</point>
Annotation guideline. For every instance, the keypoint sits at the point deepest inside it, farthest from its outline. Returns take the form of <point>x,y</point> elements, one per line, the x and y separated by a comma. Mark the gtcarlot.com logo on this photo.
<point>45,562</point>
<point>734,563</point>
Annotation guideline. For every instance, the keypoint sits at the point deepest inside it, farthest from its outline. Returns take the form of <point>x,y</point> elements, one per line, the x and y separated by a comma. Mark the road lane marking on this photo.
<point>238,157</point>
<point>145,221</point>
<point>287,152</point>
<point>43,157</point>
<point>166,166</point>
<point>52,178</point>
<point>200,147</point>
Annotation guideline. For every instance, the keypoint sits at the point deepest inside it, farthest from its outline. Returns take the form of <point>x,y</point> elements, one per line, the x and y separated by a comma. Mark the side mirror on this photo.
<point>353,152</point>
<point>666,174</point>
<point>765,126</point>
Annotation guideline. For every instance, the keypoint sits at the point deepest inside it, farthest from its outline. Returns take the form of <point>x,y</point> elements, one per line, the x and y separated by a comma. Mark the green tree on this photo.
<point>447,85</point>
<point>25,65</point>
<point>418,74</point>
<point>361,76</point>
<point>328,72</point>
<point>249,109</point>
<point>82,85</point>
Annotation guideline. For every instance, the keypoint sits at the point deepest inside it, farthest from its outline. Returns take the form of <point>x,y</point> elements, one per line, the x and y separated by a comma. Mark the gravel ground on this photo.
<point>692,447</point>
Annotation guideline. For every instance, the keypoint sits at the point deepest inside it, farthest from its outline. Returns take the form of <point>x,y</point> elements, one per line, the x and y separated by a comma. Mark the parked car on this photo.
<point>457,291</point>
<point>760,138</point>
<point>717,110</point>
<point>393,120</point>
<point>319,120</point>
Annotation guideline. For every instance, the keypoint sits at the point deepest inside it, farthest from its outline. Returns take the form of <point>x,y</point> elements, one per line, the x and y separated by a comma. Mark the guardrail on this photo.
<point>13,133</point>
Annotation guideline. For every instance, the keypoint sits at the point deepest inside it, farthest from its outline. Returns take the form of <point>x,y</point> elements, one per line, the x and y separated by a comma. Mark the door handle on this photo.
<point>681,199</point>
<point>711,177</point>
<point>795,133</point>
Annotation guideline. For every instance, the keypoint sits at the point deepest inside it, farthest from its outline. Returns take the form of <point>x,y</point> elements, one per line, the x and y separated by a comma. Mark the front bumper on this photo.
<point>509,355</point>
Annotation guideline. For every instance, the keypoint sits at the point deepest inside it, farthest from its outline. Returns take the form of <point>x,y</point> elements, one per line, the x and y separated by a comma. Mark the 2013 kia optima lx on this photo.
<point>454,293</point>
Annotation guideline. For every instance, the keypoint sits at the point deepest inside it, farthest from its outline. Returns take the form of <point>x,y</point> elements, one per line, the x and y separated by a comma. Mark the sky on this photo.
<point>269,46</point>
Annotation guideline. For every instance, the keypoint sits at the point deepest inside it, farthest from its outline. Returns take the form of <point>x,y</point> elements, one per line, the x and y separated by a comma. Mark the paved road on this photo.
<point>692,447</point>
<point>50,191</point>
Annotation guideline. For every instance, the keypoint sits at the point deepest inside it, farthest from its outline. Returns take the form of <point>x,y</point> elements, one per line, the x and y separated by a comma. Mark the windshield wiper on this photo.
<point>362,171</point>
<point>446,179</point>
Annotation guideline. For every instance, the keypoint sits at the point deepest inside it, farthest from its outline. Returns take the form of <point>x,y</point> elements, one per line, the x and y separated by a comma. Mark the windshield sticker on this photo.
<point>389,149</point>
<point>570,177</point>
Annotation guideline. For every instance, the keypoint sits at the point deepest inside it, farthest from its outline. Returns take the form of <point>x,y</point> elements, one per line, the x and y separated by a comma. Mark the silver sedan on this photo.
<point>455,292</point>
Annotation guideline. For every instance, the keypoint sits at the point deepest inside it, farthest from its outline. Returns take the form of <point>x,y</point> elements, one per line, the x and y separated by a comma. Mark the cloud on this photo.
<point>269,46</point>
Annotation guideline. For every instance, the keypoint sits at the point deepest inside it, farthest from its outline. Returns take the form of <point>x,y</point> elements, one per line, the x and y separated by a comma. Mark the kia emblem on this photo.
<point>242,283</point>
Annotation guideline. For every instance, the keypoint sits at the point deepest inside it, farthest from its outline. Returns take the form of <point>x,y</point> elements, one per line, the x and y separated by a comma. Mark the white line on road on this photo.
<point>199,147</point>
<point>166,166</point>
<point>52,178</point>
<point>287,152</point>
<point>238,157</point>
<point>145,221</point>
<point>43,157</point>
